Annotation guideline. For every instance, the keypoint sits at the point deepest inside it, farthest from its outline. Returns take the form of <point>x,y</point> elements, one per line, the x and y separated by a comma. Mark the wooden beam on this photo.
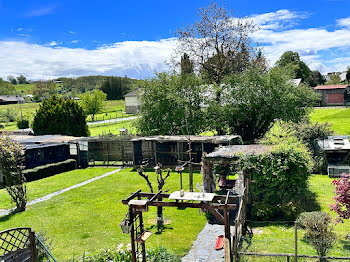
<point>132,196</point>
<point>216,214</point>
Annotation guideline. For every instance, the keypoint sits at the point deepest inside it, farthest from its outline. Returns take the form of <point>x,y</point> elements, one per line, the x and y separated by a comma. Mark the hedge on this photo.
<point>49,170</point>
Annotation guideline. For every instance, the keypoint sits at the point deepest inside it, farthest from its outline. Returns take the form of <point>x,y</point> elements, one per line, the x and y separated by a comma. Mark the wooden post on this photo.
<point>33,251</point>
<point>133,252</point>
<point>227,249</point>
<point>181,179</point>
<point>142,229</point>
<point>295,241</point>
<point>227,225</point>
<point>190,166</point>
<point>235,247</point>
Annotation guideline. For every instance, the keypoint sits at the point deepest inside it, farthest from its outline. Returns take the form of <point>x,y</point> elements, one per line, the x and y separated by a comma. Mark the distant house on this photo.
<point>331,94</point>
<point>132,101</point>
<point>5,100</point>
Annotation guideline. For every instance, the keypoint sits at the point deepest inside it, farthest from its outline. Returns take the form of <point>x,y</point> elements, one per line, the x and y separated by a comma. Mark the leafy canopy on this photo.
<point>60,116</point>
<point>93,102</point>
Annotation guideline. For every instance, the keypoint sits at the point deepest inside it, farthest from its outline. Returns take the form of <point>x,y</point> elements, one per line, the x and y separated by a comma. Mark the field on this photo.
<point>338,117</point>
<point>87,218</point>
<point>279,237</point>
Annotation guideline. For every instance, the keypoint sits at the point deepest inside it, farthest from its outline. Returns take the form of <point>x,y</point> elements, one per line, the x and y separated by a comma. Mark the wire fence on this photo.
<point>284,241</point>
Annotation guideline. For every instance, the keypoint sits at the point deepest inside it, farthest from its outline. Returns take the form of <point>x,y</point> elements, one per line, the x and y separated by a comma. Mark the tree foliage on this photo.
<point>218,44</point>
<point>93,102</point>
<point>21,79</point>
<point>115,87</point>
<point>253,100</point>
<point>186,65</point>
<point>279,180</point>
<point>11,167</point>
<point>316,79</point>
<point>12,79</point>
<point>318,231</point>
<point>348,75</point>
<point>60,116</point>
<point>171,105</point>
<point>6,88</point>
<point>342,197</point>
<point>44,88</point>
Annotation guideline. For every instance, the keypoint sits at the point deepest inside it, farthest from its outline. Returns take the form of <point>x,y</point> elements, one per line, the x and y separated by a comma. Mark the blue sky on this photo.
<point>47,39</point>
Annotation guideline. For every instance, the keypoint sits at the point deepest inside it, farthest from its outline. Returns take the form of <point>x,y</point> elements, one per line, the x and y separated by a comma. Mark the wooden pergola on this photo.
<point>139,202</point>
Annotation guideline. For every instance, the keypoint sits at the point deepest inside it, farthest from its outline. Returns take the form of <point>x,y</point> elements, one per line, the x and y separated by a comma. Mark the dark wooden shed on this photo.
<point>171,150</point>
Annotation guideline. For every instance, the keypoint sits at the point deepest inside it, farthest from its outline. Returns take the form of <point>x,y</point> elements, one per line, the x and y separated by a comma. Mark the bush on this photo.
<point>60,116</point>
<point>318,231</point>
<point>9,115</point>
<point>279,180</point>
<point>49,170</point>
<point>23,124</point>
<point>119,254</point>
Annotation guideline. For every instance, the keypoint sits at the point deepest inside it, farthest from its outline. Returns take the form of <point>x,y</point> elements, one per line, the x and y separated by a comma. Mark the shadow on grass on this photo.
<point>8,217</point>
<point>346,244</point>
<point>161,230</point>
<point>310,203</point>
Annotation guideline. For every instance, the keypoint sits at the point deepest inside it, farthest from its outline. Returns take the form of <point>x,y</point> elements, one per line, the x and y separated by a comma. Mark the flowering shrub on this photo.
<point>342,197</point>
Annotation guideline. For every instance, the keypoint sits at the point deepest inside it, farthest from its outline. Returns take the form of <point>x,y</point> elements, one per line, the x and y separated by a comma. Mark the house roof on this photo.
<point>11,98</point>
<point>45,139</point>
<point>134,92</point>
<point>330,87</point>
<point>235,150</point>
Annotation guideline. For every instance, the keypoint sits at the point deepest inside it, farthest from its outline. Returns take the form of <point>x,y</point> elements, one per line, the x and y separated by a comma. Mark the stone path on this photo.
<point>4,212</point>
<point>203,247</point>
<point>112,120</point>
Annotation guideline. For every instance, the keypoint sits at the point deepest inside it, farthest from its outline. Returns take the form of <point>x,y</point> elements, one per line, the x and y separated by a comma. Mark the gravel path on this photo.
<point>107,121</point>
<point>4,212</point>
<point>202,249</point>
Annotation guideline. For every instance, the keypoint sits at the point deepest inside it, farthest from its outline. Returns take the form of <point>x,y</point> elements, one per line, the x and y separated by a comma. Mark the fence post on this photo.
<point>236,242</point>
<point>295,241</point>
<point>33,255</point>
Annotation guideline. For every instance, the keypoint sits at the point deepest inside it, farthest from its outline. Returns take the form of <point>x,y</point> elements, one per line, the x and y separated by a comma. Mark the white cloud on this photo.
<point>75,41</point>
<point>19,29</point>
<point>72,32</point>
<point>133,58</point>
<point>52,43</point>
<point>41,11</point>
<point>344,22</point>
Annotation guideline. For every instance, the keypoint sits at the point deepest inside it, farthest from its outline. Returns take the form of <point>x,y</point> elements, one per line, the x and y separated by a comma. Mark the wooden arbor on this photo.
<point>139,202</point>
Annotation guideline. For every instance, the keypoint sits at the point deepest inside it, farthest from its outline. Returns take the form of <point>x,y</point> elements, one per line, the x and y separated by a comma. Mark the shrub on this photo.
<point>318,231</point>
<point>121,254</point>
<point>23,124</point>
<point>9,115</point>
<point>279,180</point>
<point>49,170</point>
<point>60,116</point>
<point>342,197</point>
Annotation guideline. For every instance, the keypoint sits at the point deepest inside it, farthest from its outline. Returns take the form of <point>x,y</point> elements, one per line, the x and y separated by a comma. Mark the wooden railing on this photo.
<point>17,244</point>
<point>240,220</point>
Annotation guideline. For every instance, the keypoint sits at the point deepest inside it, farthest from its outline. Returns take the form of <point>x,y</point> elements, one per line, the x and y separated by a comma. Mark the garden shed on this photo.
<point>331,94</point>
<point>222,168</point>
<point>336,151</point>
<point>47,149</point>
<point>132,101</point>
<point>172,150</point>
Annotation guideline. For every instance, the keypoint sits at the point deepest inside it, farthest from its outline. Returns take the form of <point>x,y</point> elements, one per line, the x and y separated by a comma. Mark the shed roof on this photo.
<point>234,150</point>
<point>201,139</point>
<point>135,92</point>
<point>330,87</point>
<point>46,139</point>
<point>11,98</point>
<point>334,143</point>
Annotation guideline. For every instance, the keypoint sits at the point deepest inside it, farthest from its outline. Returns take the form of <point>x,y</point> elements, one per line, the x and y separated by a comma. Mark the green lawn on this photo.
<point>51,184</point>
<point>338,117</point>
<point>87,218</point>
<point>96,130</point>
<point>279,238</point>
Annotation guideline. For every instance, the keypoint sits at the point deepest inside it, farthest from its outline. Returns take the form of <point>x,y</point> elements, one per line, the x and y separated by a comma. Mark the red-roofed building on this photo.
<point>331,94</point>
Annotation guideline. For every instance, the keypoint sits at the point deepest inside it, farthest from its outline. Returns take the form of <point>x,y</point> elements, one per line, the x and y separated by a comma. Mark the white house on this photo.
<point>132,101</point>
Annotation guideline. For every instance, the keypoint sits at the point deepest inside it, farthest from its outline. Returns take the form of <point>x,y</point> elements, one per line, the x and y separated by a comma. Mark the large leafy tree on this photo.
<point>6,88</point>
<point>93,102</point>
<point>60,116</point>
<point>218,43</point>
<point>252,101</point>
<point>21,79</point>
<point>11,167</point>
<point>291,61</point>
<point>171,105</point>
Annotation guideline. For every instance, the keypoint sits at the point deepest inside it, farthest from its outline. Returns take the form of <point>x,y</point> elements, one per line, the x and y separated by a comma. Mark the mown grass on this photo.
<point>103,129</point>
<point>54,183</point>
<point>87,218</point>
<point>338,117</point>
<point>279,237</point>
